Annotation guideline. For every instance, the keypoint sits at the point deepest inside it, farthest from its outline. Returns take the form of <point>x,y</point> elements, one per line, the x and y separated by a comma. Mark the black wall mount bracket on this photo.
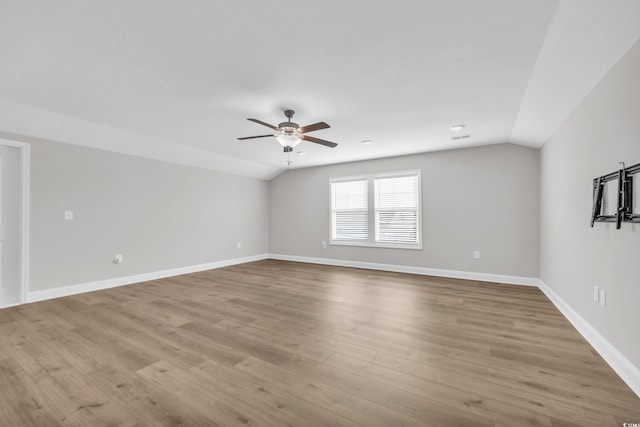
<point>624,211</point>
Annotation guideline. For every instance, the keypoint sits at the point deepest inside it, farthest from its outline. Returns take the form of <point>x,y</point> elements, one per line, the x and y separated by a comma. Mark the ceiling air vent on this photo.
<point>455,138</point>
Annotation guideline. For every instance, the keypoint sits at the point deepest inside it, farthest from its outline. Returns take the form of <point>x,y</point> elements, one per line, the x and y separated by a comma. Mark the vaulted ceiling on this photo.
<point>176,81</point>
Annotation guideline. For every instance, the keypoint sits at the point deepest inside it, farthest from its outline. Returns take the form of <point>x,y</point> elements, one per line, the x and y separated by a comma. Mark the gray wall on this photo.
<point>158,215</point>
<point>604,130</point>
<point>484,198</point>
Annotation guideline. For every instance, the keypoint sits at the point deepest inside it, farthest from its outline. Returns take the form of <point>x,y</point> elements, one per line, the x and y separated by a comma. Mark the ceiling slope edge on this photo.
<point>585,40</point>
<point>26,120</point>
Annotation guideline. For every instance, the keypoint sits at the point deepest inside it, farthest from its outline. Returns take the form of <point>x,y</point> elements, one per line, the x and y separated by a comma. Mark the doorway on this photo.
<point>14,158</point>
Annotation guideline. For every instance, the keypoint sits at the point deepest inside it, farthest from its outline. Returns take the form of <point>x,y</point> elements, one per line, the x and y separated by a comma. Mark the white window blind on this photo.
<point>377,210</point>
<point>396,212</point>
<point>349,210</point>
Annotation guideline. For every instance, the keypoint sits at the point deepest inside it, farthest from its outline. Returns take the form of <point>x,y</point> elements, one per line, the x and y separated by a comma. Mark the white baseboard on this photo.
<point>11,304</point>
<point>128,280</point>
<point>469,275</point>
<point>626,370</point>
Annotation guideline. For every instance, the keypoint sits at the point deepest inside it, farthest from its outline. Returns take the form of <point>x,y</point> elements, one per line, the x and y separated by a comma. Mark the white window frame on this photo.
<point>371,211</point>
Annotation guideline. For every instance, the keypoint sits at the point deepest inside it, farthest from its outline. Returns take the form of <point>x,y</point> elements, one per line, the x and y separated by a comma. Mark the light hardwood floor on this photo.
<point>275,343</point>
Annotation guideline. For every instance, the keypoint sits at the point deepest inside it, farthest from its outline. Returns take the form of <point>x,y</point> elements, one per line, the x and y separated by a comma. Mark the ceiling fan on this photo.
<point>290,134</point>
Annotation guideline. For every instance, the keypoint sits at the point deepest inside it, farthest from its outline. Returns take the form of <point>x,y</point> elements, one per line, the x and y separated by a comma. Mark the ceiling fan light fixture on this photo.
<point>288,137</point>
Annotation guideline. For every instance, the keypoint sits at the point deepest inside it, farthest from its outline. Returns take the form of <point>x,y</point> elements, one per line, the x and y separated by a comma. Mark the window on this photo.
<point>349,210</point>
<point>377,210</point>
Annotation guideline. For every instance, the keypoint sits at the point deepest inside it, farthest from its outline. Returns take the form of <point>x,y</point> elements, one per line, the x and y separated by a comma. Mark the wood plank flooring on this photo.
<point>275,343</point>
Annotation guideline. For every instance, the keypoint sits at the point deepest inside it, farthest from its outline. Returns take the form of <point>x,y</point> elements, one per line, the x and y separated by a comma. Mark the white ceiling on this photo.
<point>176,80</point>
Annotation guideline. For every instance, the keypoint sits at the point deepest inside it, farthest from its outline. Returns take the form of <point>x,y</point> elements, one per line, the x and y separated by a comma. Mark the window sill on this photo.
<point>376,245</point>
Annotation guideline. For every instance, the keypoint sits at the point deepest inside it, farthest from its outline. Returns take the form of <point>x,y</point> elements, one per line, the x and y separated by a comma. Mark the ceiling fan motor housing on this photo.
<point>288,125</point>
<point>289,114</point>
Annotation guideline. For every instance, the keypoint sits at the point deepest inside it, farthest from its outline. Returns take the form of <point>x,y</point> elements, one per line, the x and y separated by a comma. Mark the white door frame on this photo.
<point>25,161</point>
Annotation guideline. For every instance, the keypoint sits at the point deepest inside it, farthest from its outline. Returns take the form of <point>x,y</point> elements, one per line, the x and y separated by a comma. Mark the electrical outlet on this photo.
<point>476,254</point>
<point>117,259</point>
<point>596,294</point>
<point>603,298</point>
<point>239,245</point>
<point>68,215</point>
<point>324,245</point>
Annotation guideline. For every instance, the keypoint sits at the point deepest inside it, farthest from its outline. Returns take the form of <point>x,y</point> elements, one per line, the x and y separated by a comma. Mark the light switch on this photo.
<point>68,215</point>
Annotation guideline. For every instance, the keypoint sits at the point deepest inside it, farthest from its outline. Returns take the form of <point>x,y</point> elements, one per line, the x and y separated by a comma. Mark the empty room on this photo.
<point>419,213</point>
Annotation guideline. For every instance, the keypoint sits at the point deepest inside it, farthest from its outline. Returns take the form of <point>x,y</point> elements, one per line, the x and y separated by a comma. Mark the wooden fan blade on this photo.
<point>260,122</point>
<point>315,126</point>
<point>252,137</point>
<point>319,141</point>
